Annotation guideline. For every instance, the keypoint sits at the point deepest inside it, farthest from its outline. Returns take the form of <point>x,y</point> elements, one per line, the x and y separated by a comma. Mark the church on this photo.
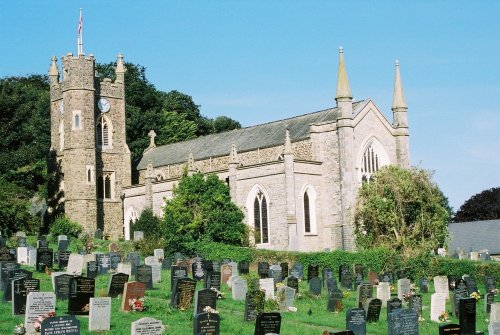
<point>296,179</point>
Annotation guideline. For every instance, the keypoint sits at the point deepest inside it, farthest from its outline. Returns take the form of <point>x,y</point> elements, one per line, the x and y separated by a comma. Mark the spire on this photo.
<point>233,157</point>
<point>288,143</point>
<point>54,71</point>
<point>120,68</point>
<point>398,100</point>
<point>343,90</point>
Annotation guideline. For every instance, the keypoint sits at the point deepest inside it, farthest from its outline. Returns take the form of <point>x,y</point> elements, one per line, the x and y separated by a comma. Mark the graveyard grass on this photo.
<point>179,322</point>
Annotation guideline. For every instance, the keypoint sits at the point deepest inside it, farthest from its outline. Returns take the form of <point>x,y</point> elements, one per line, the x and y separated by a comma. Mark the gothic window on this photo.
<point>261,219</point>
<point>307,214</point>
<point>105,186</point>
<point>370,163</point>
<point>77,122</point>
<point>103,132</point>
<point>309,202</point>
<point>90,174</point>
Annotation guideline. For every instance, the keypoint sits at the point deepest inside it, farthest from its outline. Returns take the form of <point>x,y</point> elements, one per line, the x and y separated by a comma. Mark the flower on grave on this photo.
<point>210,310</point>
<point>38,322</point>
<point>407,296</point>
<point>220,295</point>
<point>475,295</point>
<point>19,329</point>
<point>298,296</point>
<point>443,317</point>
<point>86,308</point>
<point>137,304</point>
<point>392,287</point>
<point>413,289</point>
<point>420,318</point>
<point>280,285</point>
<point>346,294</point>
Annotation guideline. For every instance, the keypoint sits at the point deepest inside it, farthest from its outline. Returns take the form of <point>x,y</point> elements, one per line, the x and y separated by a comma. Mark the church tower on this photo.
<point>89,140</point>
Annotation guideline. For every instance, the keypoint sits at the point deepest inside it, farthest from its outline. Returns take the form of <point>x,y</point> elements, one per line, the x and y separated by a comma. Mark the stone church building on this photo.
<point>295,179</point>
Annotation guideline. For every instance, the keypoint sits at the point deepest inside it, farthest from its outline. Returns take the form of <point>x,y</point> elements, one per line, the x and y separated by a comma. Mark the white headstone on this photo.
<point>138,235</point>
<point>75,264</point>
<point>495,312</point>
<point>124,268</point>
<point>22,255</point>
<point>494,328</point>
<point>441,285</point>
<point>156,273</point>
<point>267,284</point>
<point>234,267</point>
<point>474,255</point>
<point>100,314</point>
<point>20,234</point>
<point>151,260</point>
<point>438,305</point>
<point>384,292</point>
<point>239,288</point>
<point>159,254</point>
<point>147,326</point>
<point>403,287</point>
<point>38,304</point>
<point>32,257</point>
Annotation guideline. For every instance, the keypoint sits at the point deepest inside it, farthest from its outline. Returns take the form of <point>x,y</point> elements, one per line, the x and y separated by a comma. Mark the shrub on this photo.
<point>64,226</point>
<point>148,223</point>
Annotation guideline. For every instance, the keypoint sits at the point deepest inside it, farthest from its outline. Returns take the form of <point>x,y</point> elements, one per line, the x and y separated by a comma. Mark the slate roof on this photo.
<point>246,139</point>
<point>477,235</point>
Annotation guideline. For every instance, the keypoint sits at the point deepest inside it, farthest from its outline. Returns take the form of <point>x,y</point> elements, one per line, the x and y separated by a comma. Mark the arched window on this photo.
<point>307,214</point>
<point>77,121</point>
<point>260,218</point>
<point>372,159</point>
<point>309,206</point>
<point>105,185</point>
<point>103,132</point>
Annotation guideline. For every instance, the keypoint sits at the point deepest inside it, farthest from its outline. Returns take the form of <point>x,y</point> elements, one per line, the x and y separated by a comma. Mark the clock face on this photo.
<point>103,105</point>
<point>61,107</point>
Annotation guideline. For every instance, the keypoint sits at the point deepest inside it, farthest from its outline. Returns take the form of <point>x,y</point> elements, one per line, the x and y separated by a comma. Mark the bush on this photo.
<point>148,223</point>
<point>64,226</point>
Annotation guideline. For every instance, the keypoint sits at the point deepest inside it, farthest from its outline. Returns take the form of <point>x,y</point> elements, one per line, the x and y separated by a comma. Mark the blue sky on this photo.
<point>258,61</point>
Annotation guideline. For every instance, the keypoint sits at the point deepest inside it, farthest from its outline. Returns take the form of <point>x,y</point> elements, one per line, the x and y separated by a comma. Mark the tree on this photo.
<point>149,224</point>
<point>224,123</point>
<point>481,206</point>
<point>401,209</point>
<point>14,209</point>
<point>201,210</point>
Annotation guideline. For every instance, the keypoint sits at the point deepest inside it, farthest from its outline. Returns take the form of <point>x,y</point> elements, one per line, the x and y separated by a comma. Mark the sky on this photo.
<point>260,61</point>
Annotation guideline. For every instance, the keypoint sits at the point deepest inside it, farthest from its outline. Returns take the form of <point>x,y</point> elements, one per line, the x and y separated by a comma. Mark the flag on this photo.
<point>79,34</point>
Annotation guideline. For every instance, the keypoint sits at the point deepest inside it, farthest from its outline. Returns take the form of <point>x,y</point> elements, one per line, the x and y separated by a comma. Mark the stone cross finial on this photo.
<point>152,136</point>
<point>120,68</point>
<point>53,67</point>
<point>233,156</point>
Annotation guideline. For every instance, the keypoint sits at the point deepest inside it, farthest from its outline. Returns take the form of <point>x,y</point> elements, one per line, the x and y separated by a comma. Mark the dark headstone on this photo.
<point>331,284</point>
<point>471,285</point>
<point>452,282</point>
<point>358,275</point>
<point>145,275</point>
<point>21,241</point>
<point>312,271</point>
<point>206,324</point>
<point>212,279</point>
<point>104,263</point>
<point>81,289</point>
<point>489,298</point>
<point>403,322</point>
<point>5,268</point>
<point>62,245</point>
<point>342,268</point>
<point>455,298</point>
<point>263,269</point>
<point>467,315</point>
<point>365,292</point>
<point>275,273</point>
<point>292,282</point>
<point>315,286</point>
<point>424,285</point>
<point>208,265</point>
<point>415,304</point>
<point>489,283</point>
<point>243,267</point>
<point>177,272</point>
<point>460,284</point>
<point>20,289</point>
<point>42,244</point>
<point>197,270</point>
<point>268,323</point>
<point>61,325</point>
<point>63,258</point>
<point>334,303</point>
<point>166,264</point>
<point>449,329</point>
<point>393,305</point>
<point>203,298</point>
<point>386,277</point>
<point>117,284</point>
<point>44,258</point>
<point>183,293</point>
<point>327,274</point>
<point>61,285</point>
<point>254,302</point>
<point>13,275</point>
<point>114,259</point>
<point>92,269</point>
<point>98,234</point>
<point>8,255</point>
<point>134,258</point>
<point>284,269</point>
<point>2,242</point>
<point>346,279</point>
<point>355,321</point>
<point>297,270</point>
<point>373,307</point>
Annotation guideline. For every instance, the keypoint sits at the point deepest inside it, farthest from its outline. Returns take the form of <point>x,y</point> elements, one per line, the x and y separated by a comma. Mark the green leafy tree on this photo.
<point>224,123</point>
<point>149,224</point>
<point>401,209</point>
<point>15,209</point>
<point>481,206</point>
<point>201,210</point>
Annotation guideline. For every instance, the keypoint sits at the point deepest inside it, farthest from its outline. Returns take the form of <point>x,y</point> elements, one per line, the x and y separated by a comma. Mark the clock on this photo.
<point>61,107</point>
<point>103,105</point>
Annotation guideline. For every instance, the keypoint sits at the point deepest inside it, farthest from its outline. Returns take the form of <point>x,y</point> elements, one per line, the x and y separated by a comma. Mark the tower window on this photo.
<point>77,120</point>
<point>260,219</point>
<point>103,132</point>
<point>105,186</point>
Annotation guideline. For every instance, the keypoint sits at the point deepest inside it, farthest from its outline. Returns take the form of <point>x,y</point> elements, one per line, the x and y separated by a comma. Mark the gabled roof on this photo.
<point>475,235</point>
<point>246,139</point>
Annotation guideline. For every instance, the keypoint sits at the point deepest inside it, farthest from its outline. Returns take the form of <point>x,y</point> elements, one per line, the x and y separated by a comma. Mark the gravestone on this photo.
<point>212,279</point>
<point>384,292</point>
<point>284,269</point>
<point>441,285</point>
<point>5,268</point>
<point>297,270</point>
<point>489,299</point>
<point>114,260</point>
<point>113,247</point>
<point>403,322</point>
<point>145,275</point>
<point>373,307</point>
<point>183,293</point>
<point>267,284</point>
<point>44,259</point>
<point>100,314</point>
<point>243,267</point>
<point>423,285</point>
<point>334,302</point>
<point>373,278</point>
<point>32,257</point>
<point>263,269</point>
<point>22,255</point>
<point>460,284</point>
<point>92,269</point>
<point>495,312</point>
<point>21,241</point>
<point>358,275</point>
<point>166,263</point>
<point>438,305</point>
<point>13,275</point>
<point>328,274</point>
<point>147,326</point>
<point>275,273</point>
<point>342,268</point>
<point>81,289</point>
<point>98,234</point>
<point>346,278</point>
<point>138,235</point>
<point>356,321</point>
<point>286,297</point>
<point>467,315</point>
<point>177,272</point>
<point>159,254</point>
<point>449,329</point>
<point>315,286</point>
<point>134,258</point>
<point>226,271</point>
<point>393,304</point>
<point>132,290</point>
<point>124,268</point>
<point>150,260</point>
<point>206,324</point>
<point>75,264</point>
<point>312,271</point>
<point>61,325</point>
<point>494,328</point>
<point>7,255</point>
<point>386,277</point>
<point>20,290</point>
<point>415,304</point>
<point>293,282</point>
<point>61,284</point>
<point>104,263</point>
<point>489,283</point>
<point>268,323</point>
<point>403,288</point>
<point>117,283</point>
<point>63,258</point>
<point>452,281</point>
<point>471,285</point>
<point>254,302</point>
<point>38,303</point>
<point>197,270</point>
<point>156,273</point>
<point>42,244</point>
<point>203,298</point>
<point>331,284</point>
<point>239,288</point>
<point>234,268</point>
<point>364,292</point>
<point>456,296</point>
<point>62,242</point>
